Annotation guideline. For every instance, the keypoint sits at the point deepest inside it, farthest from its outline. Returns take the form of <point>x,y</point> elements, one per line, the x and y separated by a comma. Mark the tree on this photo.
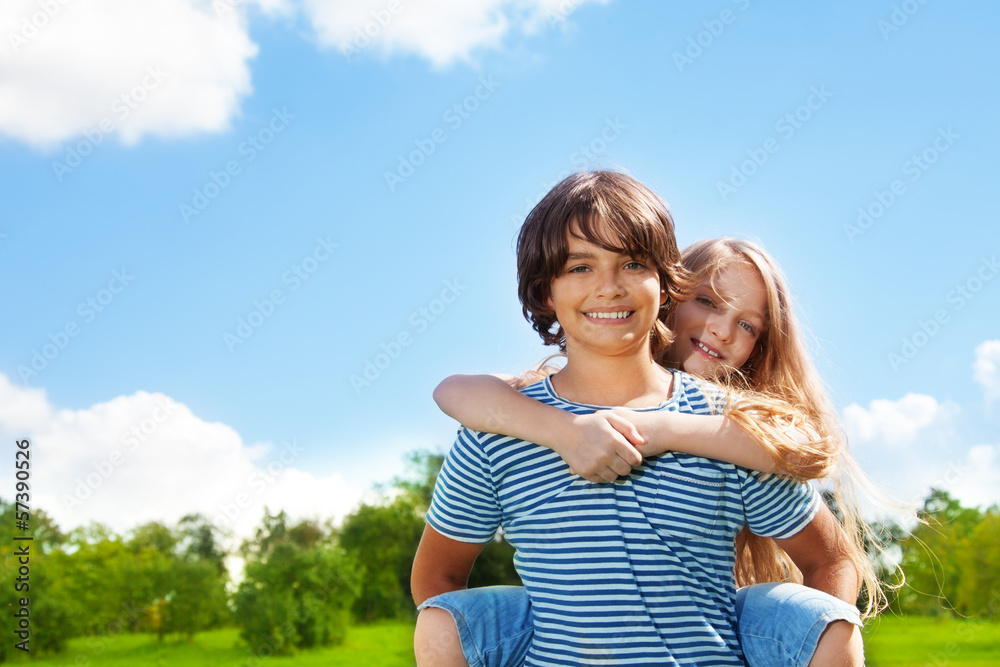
<point>978,592</point>
<point>197,597</point>
<point>932,555</point>
<point>199,538</point>
<point>298,588</point>
<point>383,539</point>
<point>50,609</point>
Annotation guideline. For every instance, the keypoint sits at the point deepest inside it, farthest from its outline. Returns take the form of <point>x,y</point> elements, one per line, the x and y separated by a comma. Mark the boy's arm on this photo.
<point>820,551</point>
<point>596,446</point>
<point>441,565</point>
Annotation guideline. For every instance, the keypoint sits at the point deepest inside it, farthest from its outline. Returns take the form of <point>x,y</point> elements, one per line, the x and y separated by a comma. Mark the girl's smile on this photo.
<point>720,325</point>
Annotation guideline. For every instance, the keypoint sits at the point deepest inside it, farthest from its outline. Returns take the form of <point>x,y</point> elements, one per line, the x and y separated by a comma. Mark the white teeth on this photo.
<point>708,351</point>
<point>619,315</point>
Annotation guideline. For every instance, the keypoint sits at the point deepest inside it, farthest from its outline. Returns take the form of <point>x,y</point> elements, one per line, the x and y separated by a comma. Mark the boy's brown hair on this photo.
<point>639,225</point>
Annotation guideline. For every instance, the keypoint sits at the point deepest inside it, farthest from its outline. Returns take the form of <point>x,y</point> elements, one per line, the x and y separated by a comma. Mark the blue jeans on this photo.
<point>494,623</point>
<point>779,624</point>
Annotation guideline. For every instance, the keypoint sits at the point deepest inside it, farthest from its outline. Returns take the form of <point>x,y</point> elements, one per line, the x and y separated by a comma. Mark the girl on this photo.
<point>737,328</point>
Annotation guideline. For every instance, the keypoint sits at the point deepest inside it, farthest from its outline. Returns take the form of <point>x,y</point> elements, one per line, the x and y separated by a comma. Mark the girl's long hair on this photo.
<point>778,398</point>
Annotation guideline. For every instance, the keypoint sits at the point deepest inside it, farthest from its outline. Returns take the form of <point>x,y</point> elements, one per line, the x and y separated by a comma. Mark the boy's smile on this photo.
<point>606,301</point>
<point>720,325</point>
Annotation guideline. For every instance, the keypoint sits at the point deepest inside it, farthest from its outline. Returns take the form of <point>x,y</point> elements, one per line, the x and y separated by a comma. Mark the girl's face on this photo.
<point>720,325</point>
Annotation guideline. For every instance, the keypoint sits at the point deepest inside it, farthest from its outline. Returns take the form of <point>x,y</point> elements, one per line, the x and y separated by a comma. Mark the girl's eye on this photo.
<point>704,300</point>
<point>749,327</point>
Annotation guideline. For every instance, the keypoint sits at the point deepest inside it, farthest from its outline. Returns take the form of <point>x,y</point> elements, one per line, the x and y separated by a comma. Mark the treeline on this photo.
<point>303,583</point>
<point>950,561</point>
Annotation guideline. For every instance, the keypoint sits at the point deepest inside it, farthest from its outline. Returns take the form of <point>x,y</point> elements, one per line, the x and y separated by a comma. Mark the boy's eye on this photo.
<point>635,264</point>
<point>704,300</point>
<point>576,269</point>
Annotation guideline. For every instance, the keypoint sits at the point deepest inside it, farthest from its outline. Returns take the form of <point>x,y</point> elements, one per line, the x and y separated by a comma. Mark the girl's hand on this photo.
<point>602,446</point>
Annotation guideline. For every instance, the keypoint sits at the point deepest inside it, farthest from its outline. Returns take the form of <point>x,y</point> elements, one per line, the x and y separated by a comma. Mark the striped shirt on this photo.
<point>637,572</point>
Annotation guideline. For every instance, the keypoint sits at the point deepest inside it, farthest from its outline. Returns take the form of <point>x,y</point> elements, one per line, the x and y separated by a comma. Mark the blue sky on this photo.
<point>215,216</point>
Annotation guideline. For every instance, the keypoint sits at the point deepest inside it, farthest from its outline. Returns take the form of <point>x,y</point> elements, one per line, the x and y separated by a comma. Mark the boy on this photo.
<point>636,572</point>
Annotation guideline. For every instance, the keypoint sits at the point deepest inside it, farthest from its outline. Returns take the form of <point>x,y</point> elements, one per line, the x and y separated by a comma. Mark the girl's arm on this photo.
<point>710,436</point>
<point>603,445</point>
<point>820,551</point>
<point>598,447</point>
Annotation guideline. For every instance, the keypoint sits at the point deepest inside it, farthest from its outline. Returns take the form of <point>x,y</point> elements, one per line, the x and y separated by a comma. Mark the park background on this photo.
<point>242,241</point>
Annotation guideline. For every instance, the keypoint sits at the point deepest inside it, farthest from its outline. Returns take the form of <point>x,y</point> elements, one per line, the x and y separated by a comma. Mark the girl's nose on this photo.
<point>721,327</point>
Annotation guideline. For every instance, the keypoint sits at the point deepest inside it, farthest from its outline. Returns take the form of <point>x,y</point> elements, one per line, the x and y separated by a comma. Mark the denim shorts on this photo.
<point>494,623</point>
<point>779,624</point>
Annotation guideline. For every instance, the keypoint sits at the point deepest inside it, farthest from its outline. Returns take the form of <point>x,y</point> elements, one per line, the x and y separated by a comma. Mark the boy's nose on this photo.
<point>610,285</point>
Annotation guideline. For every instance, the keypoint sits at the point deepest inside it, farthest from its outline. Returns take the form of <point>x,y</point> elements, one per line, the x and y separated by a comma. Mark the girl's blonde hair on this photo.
<point>781,397</point>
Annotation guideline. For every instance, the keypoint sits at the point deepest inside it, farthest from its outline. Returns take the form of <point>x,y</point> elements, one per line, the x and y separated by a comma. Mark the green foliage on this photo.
<point>298,589</point>
<point>495,566</point>
<point>950,561</point>
<point>978,590</point>
<point>49,605</point>
<point>92,582</point>
<point>196,600</point>
<point>383,539</point>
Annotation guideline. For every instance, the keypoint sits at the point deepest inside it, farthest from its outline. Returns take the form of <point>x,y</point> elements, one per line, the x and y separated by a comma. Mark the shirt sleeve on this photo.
<point>465,506</point>
<point>777,507</point>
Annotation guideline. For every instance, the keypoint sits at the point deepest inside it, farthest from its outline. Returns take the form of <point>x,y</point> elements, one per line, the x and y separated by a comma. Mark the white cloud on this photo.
<point>895,422</point>
<point>986,369</point>
<point>979,485</point>
<point>99,68</point>
<point>146,457</point>
<point>89,70</point>
<point>441,31</point>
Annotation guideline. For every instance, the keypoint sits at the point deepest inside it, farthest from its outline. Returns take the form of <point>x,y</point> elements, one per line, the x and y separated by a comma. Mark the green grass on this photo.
<point>379,645</point>
<point>916,641</point>
<point>891,642</point>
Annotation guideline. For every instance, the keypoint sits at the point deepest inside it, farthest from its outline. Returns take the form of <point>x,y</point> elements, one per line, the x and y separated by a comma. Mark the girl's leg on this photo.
<point>481,627</point>
<point>436,641</point>
<point>788,624</point>
<point>840,646</point>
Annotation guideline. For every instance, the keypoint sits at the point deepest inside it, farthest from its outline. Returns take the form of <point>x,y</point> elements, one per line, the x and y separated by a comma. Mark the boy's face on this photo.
<point>719,327</point>
<point>605,301</point>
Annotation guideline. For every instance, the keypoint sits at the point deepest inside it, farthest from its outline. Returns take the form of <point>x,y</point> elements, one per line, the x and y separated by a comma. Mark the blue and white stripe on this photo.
<point>637,572</point>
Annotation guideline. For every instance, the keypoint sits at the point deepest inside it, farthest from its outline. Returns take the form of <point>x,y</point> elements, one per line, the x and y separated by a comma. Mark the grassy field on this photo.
<point>926,642</point>
<point>381,645</point>
<point>891,642</point>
